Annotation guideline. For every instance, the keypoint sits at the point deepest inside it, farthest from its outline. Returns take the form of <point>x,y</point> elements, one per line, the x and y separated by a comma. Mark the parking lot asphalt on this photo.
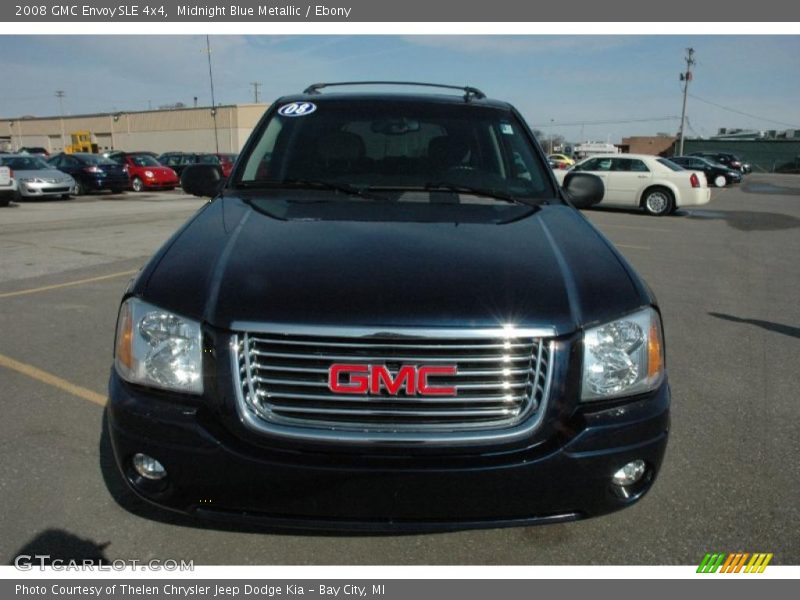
<point>728,281</point>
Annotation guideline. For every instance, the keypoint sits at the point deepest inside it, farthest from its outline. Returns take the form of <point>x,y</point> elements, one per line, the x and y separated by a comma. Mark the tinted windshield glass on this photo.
<point>144,160</point>
<point>406,145</point>
<point>670,165</point>
<point>24,163</point>
<point>96,159</point>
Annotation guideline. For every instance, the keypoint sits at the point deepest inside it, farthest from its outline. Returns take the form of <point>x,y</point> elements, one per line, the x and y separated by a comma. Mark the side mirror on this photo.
<point>202,180</point>
<point>584,189</point>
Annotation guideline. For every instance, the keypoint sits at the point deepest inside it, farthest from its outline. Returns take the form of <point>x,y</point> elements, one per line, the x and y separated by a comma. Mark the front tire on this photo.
<point>80,189</point>
<point>137,185</point>
<point>658,201</point>
<point>720,181</point>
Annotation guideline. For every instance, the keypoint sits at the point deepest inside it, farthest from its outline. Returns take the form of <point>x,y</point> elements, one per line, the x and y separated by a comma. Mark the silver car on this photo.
<point>37,179</point>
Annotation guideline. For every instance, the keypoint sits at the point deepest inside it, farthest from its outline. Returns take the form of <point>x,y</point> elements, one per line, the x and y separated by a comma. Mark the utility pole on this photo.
<point>256,85</point>
<point>213,102</point>
<point>685,78</point>
<point>60,95</point>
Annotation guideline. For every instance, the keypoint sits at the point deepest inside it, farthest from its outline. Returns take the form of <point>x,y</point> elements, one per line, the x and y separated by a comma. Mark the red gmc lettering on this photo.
<point>405,379</point>
<point>430,390</point>
<point>357,384</point>
<point>363,379</point>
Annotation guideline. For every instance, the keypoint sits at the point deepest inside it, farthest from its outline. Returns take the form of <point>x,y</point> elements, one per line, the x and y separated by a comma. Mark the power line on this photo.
<point>739,112</point>
<point>605,122</point>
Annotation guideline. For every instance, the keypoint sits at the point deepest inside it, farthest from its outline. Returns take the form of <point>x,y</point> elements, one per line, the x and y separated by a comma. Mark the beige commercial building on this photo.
<point>186,129</point>
<point>661,145</point>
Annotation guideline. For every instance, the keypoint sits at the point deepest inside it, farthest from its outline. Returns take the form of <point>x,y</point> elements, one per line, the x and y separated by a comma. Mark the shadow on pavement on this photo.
<point>745,220</point>
<point>768,325</point>
<point>60,545</point>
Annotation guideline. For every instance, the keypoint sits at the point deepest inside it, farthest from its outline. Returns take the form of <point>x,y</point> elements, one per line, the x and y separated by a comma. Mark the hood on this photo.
<point>232,265</point>
<point>43,174</point>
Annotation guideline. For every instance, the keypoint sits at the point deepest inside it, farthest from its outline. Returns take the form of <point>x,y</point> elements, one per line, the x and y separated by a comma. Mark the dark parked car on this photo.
<point>37,150</point>
<point>725,158</point>
<point>390,319</point>
<point>118,156</point>
<point>716,174</point>
<point>92,172</point>
<point>178,161</point>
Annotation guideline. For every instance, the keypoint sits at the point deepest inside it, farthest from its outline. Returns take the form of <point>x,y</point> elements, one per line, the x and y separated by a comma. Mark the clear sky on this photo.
<point>582,87</point>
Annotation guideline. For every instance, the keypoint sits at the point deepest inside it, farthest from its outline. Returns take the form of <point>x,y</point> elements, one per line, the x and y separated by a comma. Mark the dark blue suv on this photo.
<point>389,318</point>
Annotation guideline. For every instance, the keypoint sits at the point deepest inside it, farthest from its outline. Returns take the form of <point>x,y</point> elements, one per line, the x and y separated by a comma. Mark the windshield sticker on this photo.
<point>507,128</point>
<point>297,109</point>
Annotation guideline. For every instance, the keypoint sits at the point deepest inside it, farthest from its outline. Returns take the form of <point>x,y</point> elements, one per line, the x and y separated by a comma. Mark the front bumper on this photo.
<point>43,190</point>
<point>217,475</point>
<point>160,184</point>
<point>108,183</point>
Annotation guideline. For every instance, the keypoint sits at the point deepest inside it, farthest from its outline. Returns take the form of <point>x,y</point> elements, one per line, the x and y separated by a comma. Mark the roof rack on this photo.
<point>469,92</point>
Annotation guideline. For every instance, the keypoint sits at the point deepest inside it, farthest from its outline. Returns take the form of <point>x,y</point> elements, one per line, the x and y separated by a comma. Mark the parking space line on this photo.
<point>643,228</point>
<point>52,380</point>
<point>66,284</point>
<point>632,246</point>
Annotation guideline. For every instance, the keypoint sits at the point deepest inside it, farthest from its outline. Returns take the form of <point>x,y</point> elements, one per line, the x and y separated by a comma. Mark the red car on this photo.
<point>147,173</point>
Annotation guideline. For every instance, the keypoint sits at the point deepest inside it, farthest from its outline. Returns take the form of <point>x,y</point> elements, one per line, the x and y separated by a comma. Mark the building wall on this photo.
<point>188,129</point>
<point>656,145</point>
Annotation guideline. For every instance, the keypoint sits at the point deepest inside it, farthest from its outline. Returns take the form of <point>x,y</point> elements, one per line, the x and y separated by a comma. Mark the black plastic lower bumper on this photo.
<point>220,478</point>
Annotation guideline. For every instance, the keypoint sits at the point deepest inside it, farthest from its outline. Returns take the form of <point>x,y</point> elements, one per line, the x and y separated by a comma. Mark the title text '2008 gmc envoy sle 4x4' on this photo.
<point>389,318</point>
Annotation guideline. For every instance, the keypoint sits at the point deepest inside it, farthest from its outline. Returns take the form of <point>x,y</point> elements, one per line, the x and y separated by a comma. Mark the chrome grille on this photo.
<point>502,379</point>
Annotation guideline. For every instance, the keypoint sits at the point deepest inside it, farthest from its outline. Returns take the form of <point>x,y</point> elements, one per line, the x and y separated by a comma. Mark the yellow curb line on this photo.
<point>53,380</point>
<point>67,284</point>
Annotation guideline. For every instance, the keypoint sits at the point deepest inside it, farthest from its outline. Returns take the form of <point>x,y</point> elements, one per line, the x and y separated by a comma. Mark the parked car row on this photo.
<point>31,173</point>
<point>716,173</point>
<point>728,159</point>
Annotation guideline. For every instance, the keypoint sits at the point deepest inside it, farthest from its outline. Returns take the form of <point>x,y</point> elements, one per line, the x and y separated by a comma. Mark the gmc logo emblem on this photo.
<point>372,379</point>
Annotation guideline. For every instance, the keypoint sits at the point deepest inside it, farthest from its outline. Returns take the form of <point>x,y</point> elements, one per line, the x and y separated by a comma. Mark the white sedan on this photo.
<point>8,186</point>
<point>644,181</point>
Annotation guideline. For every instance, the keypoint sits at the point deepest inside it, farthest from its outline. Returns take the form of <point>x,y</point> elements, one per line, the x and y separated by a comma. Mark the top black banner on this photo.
<point>468,11</point>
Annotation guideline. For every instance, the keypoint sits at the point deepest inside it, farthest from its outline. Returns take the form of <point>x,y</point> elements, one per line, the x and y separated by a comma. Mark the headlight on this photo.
<point>31,180</point>
<point>623,357</point>
<point>148,174</point>
<point>158,348</point>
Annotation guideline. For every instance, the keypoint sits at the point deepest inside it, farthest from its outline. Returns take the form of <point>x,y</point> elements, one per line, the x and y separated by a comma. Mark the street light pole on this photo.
<point>213,102</point>
<point>686,78</point>
<point>60,95</point>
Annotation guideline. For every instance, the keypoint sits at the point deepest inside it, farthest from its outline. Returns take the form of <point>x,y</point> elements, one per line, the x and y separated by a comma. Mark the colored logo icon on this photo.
<point>737,562</point>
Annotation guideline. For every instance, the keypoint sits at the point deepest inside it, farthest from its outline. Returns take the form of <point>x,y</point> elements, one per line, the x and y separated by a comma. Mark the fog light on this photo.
<point>148,467</point>
<point>629,474</point>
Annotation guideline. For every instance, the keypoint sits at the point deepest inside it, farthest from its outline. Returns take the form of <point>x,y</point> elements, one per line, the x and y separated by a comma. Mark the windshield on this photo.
<point>24,163</point>
<point>670,165</point>
<point>374,145</point>
<point>96,159</point>
<point>145,160</point>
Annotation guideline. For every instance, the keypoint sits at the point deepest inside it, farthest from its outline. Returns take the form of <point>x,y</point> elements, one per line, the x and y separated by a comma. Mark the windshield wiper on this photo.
<point>311,184</point>
<point>465,189</point>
